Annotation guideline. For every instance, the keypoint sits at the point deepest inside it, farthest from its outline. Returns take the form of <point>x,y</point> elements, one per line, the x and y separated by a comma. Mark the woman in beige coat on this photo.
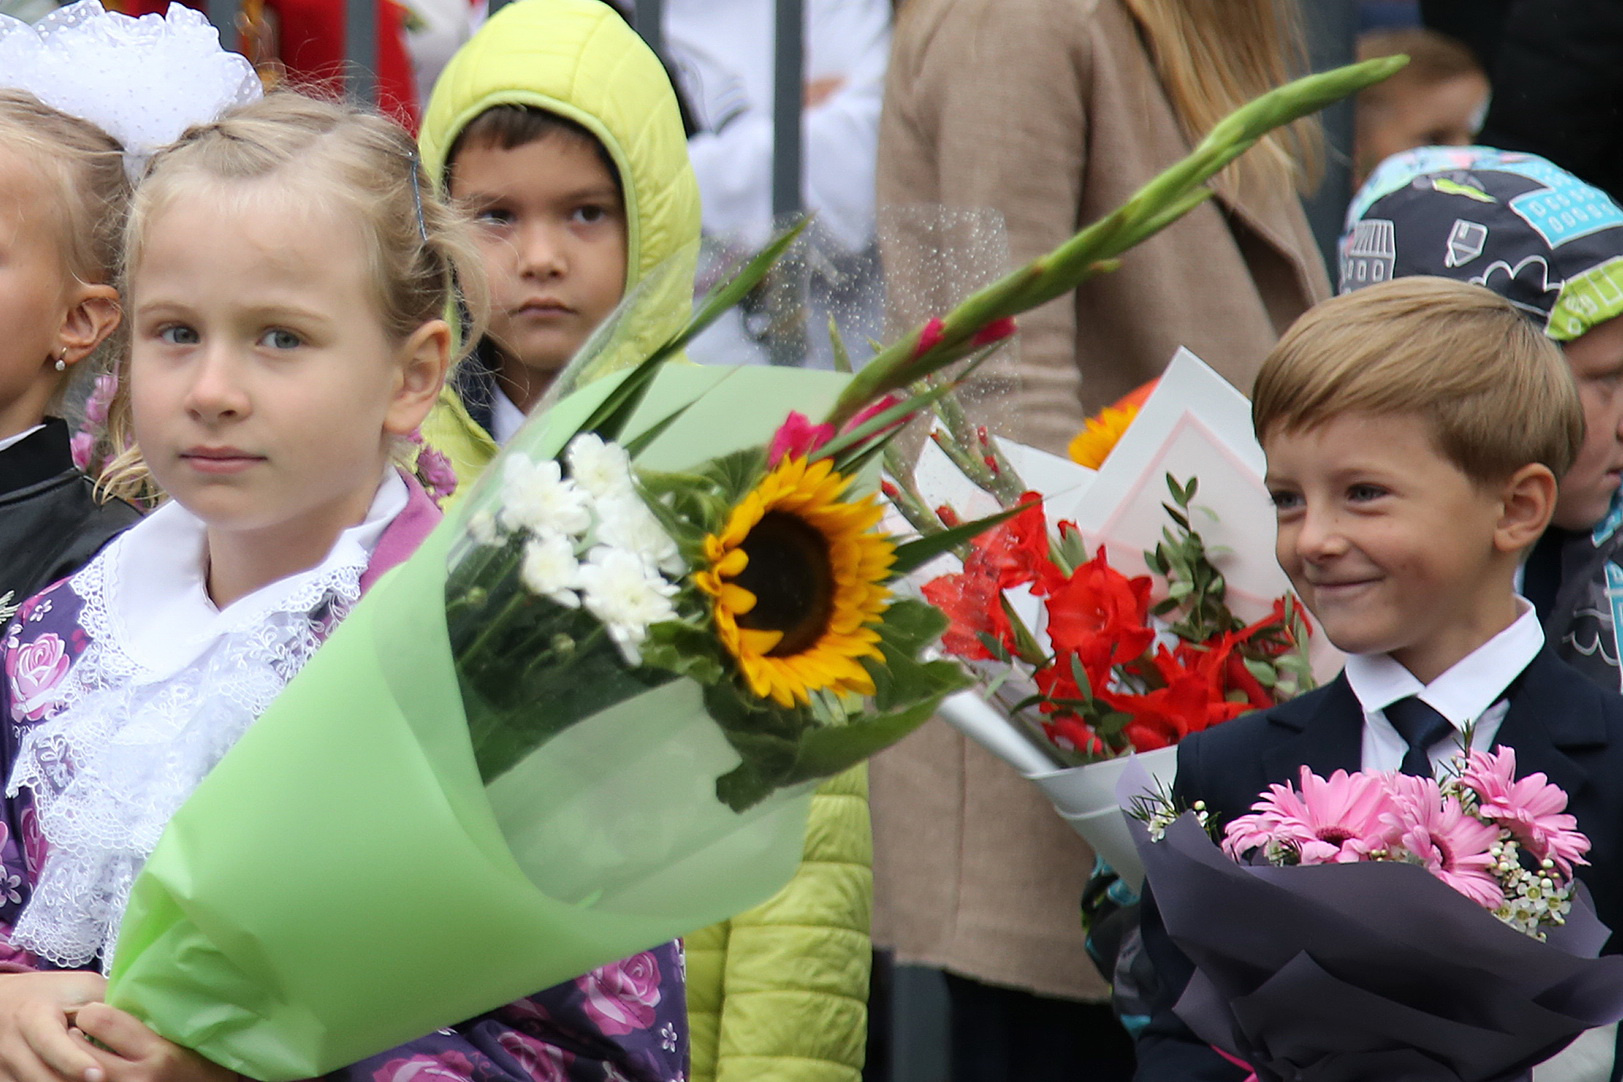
<point>1053,112</point>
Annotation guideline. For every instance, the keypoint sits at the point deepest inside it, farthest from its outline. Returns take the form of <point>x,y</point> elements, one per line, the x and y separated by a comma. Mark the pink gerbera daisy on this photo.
<point>1336,821</point>
<point>1531,808</point>
<point>1449,843</point>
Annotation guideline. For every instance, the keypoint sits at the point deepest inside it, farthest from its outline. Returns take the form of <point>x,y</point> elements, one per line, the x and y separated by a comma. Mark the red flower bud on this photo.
<point>995,331</point>
<point>929,337</point>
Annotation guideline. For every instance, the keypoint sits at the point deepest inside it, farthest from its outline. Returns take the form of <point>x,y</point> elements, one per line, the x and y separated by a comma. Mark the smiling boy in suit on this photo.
<point>1414,433</point>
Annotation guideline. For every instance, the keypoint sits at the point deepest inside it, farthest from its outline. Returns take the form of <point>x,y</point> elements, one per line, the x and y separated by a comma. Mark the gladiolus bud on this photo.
<point>995,331</point>
<point>929,337</point>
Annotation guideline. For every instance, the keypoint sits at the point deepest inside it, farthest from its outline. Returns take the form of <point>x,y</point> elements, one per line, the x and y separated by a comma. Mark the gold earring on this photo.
<point>62,360</point>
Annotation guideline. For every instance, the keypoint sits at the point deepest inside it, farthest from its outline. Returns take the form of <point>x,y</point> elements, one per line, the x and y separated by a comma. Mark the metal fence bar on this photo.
<point>223,14</point>
<point>789,65</point>
<point>361,50</point>
<point>645,19</point>
<point>1332,32</point>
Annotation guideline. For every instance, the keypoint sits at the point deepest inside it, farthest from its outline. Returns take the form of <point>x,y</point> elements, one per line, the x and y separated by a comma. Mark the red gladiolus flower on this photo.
<point>1100,615</point>
<point>929,337</point>
<point>972,602</point>
<point>1068,730</point>
<point>995,331</point>
<point>1167,715</point>
<point>873,410</point>
<point>797,437</point>
<point>1014,553</point>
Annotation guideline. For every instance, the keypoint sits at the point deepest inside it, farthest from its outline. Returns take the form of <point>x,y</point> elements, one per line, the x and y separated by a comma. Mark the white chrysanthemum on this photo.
<point>550,569</point>
<point>625,522</point>
<point>602,469</point>
<point>537,497</point>
<point>626,595</point>
<point>482,528</point>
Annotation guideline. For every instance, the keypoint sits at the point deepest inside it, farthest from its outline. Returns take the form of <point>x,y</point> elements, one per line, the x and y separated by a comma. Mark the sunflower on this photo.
<point>796,574</point>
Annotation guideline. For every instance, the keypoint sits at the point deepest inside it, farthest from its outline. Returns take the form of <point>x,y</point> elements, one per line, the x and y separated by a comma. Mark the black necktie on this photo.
<point>1421,726</point>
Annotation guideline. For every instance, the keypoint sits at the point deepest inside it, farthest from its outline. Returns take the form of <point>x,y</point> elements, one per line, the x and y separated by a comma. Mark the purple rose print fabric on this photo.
<point>625,1022</point>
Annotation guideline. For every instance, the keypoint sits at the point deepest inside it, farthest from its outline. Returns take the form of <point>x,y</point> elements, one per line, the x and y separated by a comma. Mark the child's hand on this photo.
<point>36,1039</point>
<point>133,1053</point>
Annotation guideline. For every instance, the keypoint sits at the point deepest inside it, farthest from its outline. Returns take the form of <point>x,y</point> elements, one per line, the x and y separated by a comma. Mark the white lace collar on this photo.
<point>164,689</point>
<point>158,606</point>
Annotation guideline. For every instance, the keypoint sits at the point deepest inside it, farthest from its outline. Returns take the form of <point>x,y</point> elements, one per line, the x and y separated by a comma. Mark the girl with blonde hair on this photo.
<point>287,271</point>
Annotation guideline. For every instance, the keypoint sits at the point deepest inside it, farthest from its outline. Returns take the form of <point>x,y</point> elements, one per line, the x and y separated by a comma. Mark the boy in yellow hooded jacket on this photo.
<point>558,129</point>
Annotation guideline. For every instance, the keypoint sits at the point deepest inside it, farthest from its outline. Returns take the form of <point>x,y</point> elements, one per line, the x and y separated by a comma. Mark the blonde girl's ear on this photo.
<point>94,315</point>
<point>425,358</point>
<point>1527,502</point>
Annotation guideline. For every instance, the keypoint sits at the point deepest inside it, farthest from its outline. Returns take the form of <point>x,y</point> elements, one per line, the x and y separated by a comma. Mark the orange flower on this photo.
<point>1100,434</point>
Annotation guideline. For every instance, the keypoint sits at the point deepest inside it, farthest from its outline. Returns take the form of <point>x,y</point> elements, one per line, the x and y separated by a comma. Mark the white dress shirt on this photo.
<point>505,417</point>
<point>1468,694</point>
<point>12,441</point>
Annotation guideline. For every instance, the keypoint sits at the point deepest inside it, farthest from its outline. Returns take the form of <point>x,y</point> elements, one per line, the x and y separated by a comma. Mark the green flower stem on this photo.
<point>997,477</point>
<point>1093,250</point>
<point>908,500</point>
<point>497,625</point>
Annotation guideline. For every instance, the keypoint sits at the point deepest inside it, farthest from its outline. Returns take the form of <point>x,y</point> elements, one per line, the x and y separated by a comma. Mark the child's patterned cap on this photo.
<point>1515,223</point>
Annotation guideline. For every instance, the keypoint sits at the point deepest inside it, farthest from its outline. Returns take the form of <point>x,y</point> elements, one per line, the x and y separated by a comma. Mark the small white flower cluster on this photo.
<point>1533,898</point>
<point>1157,811</point>
<point>590,539</point>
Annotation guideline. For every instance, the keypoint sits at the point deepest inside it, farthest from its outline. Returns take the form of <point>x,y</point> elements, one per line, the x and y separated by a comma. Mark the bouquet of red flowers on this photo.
<point>1129,663</point>
<point>1098,618</point>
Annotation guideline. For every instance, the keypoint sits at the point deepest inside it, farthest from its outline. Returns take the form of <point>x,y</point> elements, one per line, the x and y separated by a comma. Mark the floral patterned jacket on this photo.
<point>625,1022</point>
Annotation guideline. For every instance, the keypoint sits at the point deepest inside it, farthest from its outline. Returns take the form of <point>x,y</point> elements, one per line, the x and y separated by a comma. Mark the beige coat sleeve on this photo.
<point>991,111</point>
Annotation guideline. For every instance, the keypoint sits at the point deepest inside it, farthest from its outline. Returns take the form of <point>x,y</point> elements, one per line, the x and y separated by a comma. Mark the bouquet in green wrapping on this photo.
<point>585,716</point>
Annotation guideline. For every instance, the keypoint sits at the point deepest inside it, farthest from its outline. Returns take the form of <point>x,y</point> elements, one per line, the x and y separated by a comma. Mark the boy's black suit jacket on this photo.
<point>1558,722</point>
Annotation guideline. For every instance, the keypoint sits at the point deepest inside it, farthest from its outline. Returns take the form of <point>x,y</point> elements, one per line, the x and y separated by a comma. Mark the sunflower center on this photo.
<point>790,574</point>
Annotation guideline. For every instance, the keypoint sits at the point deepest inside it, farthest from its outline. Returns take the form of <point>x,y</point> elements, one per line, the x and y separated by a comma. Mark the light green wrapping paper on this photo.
<point>341,883</point>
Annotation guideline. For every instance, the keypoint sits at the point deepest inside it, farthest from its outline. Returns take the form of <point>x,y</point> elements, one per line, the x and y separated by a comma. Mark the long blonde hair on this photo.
<point>83,168</point>
<point>1215,55</point>
<point>421,258</point>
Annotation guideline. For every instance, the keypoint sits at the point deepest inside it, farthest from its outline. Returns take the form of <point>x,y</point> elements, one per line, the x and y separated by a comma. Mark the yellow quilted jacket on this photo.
<point>779,993</point>
<point>578,59</point>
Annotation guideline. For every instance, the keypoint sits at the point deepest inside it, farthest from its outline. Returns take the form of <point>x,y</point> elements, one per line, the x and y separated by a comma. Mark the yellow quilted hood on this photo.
<point>579,59</point>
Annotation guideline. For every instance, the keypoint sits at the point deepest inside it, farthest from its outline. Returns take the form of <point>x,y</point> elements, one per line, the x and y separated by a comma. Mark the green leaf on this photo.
<point>842,359</point>
<point>729,293</point>
<point>1025,643</point>
<point>1262,671</point>
<point>832,749</point>
<point>912,555</point>
<point>639,443</point>
<point>612,414</point>
<point>682,648</point>
<point>1080,675</point>
<point>998,651</point>
<point>736,475</point>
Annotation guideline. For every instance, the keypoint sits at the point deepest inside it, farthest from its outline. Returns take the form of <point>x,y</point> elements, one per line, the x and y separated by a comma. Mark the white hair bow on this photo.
<point>143,80</point>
